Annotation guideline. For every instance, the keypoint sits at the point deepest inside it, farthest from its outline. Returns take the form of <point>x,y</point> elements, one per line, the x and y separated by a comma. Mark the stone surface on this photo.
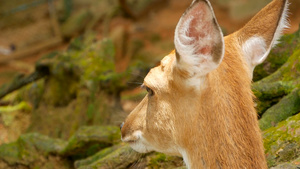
<point>282,143</point>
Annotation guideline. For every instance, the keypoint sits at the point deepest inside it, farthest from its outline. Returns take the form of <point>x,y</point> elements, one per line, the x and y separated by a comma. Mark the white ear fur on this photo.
<point>199,40</point>
<point>255,49</point>
<point>283,24</point>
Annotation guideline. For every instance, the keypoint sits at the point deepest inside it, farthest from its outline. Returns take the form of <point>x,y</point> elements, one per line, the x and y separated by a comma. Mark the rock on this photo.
<point>28,149</point>
<point>286,107</point>
<point>14,120</point>
<point>122,156</point>
<point>279,93</point>
<point>160,160</point>
<point>76,23</point>
<point>289,165</point>
<point>119,159</point>
<point>282,143</point>
<point>99,155</point>
<point>100,137</point>
<point>278,56</point>
<point>38,151</point>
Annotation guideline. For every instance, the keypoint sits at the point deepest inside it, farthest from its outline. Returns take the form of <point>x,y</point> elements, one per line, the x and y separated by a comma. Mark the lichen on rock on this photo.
<point>283,141</point>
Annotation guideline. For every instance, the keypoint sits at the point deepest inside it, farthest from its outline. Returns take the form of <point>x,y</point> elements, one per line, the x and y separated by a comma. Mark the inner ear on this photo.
<point>198,38</point>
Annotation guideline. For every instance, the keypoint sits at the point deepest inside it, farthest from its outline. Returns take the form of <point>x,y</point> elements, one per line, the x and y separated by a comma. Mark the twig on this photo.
<point>41,71</point>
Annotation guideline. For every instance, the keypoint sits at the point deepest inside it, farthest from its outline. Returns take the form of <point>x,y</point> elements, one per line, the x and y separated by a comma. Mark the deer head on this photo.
<point>199,103</point>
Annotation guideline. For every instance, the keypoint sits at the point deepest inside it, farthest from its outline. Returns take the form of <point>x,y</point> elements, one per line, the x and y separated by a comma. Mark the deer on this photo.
<point>199,103</point>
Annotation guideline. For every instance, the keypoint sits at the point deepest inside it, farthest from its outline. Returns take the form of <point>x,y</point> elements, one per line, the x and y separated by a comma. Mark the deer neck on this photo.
<point>228,134</point>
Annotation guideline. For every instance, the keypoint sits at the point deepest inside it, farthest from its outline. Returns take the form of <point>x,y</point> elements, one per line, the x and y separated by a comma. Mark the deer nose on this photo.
<point>122,124</point>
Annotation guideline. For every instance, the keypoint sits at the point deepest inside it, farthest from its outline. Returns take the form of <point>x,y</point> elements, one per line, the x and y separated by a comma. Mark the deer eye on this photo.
<point>150,91</point>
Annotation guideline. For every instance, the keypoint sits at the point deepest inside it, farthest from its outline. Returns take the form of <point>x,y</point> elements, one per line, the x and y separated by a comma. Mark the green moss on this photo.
<point>157,159</point>
<point>262,106</point>
<point>76,23</point>
<point>120,158</point>
<point>282,86</point>
<point>288,72</point>
<point>9,114</point>
<point>23,106</point>
<point>286,107</point>
<point>86,137</point>
<point>43,143</point>
<point>267,91</point>
<point>28,148</point>
<point>94,63</point>
<point>97,156</point>
<point>282,142</point>
<point>292,70</point>
<point>278,56</point>
<point>183,167</point>
<point>10,153</point>
<point>160,160</point>
<point>62,84</point>
<point>32,93</point>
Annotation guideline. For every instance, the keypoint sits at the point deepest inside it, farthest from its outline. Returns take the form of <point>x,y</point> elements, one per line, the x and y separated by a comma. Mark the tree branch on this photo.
<point>20,81</point>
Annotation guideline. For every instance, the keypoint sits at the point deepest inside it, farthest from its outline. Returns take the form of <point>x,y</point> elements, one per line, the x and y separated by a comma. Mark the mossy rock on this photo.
<point>282,143</point>
<point>14,120</point>
<point>59,92</point>
<point>35,150</point>
<point>118,159</point>
<point>91,139</point>
<point>286,107</point>
<point>82,86</point>
<point>76,23</point>
<point>279,93</point>
<point>99,155</point>
<point>32,93</point>
<point>88,63</point>
<point>288,76</point>
<point>278,56</point>
<point>122,156</point>
<point>29,148</point>
<point>61,85</point>
<point>163,161</point>
<point>295,164</point>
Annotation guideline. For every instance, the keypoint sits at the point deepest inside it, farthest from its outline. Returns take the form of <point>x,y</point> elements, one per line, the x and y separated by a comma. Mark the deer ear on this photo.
<point>262,32</point>
<point>198,40</point>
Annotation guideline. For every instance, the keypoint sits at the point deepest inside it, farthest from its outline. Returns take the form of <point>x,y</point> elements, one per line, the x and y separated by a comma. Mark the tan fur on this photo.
<point>213,127</point>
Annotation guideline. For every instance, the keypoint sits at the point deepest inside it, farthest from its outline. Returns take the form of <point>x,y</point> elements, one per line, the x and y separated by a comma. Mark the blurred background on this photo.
<point>32,28</point>
<point>65,64</point>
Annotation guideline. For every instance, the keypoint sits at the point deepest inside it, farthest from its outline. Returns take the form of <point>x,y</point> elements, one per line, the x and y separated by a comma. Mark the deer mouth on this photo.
<point>137,142</point>
<point>133,138</point>
<point>129,141</point>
